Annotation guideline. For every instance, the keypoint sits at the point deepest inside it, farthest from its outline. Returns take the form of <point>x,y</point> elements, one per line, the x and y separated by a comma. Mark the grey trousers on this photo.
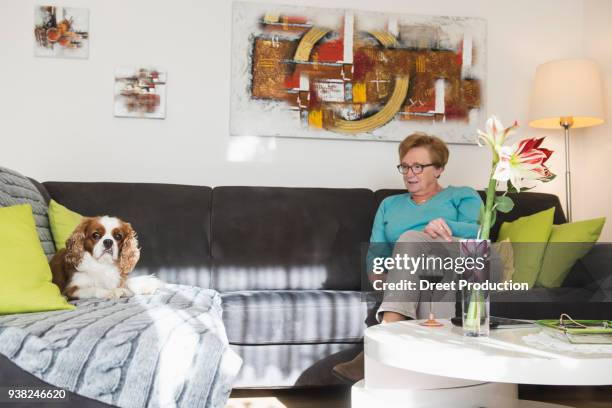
<point>414,304</point>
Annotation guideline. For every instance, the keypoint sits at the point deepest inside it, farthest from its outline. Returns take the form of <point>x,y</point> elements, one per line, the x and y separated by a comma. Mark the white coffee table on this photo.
<point>409,366</point>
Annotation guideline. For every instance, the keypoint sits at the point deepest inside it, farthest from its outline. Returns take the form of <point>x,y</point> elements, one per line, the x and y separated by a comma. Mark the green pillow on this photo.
<point>25,276</point>
<point>570,242</point>
<point>529,236</point>
<point>63,222</point>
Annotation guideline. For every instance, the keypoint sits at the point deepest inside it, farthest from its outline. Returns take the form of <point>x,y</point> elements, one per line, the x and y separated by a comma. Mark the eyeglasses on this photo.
<point>416,168</point>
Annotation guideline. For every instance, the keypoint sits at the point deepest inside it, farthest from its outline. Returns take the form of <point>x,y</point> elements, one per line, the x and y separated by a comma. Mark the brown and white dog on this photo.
<point>98,257</point>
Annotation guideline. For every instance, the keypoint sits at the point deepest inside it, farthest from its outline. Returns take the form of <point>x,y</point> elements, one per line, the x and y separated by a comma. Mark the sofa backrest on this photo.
<point>251,238</point>
<point>525,203</point>
<point>289,238</point>
<point>172,223</point>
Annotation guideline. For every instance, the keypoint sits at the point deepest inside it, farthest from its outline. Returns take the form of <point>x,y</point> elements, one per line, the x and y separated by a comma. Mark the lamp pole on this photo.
<point>566,123</point>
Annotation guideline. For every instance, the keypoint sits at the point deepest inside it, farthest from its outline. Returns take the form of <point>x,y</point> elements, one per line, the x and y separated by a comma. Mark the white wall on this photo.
<point>57,121</point>
<point>592,161</point>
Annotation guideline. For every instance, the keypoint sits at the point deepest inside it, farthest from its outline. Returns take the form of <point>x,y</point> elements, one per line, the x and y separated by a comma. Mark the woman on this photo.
<point>427,214</point>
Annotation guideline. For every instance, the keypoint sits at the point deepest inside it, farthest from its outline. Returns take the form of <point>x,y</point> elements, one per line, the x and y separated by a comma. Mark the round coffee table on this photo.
<point>407,365</point>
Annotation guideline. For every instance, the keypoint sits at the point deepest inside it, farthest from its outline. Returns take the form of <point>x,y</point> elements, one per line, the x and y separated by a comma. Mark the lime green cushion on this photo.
<point>567,244</point>
<point>63,221</point>
<point>529,236</point>
<point>25,276</point>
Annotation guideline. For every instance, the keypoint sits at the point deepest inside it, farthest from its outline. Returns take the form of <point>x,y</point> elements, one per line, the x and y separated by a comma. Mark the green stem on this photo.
<point>488,211</point>
<point>476,310</point>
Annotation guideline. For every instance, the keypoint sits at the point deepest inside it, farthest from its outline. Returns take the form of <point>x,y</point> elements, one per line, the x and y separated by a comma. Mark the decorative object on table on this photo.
<point>329,73</point>
<point>475,303</point>
<point>140,93</point>
<point>431,321</point>
<point>567,94</point>
<point>580,331</point>
<point>517,168</point>
<point>61,32</point>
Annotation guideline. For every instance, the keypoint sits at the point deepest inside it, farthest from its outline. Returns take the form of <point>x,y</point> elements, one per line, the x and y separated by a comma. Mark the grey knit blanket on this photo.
<point>165,350</point>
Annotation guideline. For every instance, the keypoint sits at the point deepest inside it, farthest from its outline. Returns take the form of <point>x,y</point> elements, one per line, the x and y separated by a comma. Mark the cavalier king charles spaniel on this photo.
<point>98,257</point>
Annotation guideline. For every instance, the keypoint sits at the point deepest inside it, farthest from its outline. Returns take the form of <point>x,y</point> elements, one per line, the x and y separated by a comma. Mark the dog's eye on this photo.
<point>118,237</point>
<point>96,235</point>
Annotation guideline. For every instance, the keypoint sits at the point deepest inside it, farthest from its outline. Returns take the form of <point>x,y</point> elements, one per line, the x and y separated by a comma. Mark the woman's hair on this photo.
<point>437,148</point>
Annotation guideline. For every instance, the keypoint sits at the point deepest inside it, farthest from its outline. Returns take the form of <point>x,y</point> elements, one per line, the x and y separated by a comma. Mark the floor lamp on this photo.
<point>567,94</point>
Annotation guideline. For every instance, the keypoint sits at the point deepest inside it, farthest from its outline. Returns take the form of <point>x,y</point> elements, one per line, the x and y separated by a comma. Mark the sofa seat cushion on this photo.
<point>294,316</point>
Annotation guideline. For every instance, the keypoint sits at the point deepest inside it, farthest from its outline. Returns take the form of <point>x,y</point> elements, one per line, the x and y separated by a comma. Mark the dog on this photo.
<point>99,256</point>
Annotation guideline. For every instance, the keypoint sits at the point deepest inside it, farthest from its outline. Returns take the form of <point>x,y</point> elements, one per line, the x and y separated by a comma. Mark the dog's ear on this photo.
<point>75,243</point>
<point>129,252</point>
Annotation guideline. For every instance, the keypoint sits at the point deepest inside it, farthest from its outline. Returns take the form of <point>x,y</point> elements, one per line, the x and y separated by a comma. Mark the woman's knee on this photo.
<point>390,317</point>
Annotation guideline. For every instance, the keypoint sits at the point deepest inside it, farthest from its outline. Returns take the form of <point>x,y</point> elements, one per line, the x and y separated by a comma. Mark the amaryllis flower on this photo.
<point>496,133</point>
<point>474,249</point>
<point>523,163</point>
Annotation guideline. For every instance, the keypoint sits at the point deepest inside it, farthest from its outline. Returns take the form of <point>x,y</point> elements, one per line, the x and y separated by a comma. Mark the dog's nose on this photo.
<point>108,243</point>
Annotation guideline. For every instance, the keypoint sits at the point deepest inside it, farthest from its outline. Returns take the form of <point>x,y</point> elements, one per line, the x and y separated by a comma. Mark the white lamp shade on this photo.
<point>567,88</point>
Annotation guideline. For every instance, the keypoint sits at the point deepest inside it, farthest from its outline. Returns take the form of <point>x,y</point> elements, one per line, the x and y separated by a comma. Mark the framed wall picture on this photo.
<point>355,75</point>
<point>61,32</point>
<point>140,93</point>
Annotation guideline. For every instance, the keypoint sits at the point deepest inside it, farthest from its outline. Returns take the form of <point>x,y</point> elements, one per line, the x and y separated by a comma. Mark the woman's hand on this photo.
<point>438,228</point>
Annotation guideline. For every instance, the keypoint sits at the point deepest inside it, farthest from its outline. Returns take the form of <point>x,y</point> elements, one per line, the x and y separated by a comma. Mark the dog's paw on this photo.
<point>121,292</point>
<point>106,294</point>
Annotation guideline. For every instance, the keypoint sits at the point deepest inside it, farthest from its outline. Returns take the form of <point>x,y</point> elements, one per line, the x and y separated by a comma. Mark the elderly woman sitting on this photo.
<point>427,215</point>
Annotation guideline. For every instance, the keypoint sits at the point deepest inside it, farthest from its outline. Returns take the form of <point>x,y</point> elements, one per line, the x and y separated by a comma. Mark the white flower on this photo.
<point>496,134</point>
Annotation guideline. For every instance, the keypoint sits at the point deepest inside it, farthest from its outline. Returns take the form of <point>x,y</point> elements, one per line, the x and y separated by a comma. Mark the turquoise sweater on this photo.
<point>458,206</point>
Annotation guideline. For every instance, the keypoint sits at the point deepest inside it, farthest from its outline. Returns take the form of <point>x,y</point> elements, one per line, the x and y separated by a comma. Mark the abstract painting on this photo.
<point>140,93</point>
<point>61,32</point>
<point>356,75</point>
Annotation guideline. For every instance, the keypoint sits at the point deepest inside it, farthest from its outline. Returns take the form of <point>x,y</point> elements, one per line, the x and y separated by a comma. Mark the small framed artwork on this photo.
<point>61,32</point>
<point>140,93</point>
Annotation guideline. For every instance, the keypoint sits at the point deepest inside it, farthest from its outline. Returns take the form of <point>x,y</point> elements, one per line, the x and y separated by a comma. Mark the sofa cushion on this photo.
<point>566,245</point>
<point>17,189</point>
<point>529,236</point>
<point>25,276</point>
<point>595,270</point>
<point>172,223</point>
<point>526,203</point>
<point>289,238</point>
<point>294,316</point>
<point>63,223</point>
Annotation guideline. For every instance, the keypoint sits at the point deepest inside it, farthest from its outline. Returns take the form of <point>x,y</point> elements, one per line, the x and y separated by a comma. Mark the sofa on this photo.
<point>287,263</point>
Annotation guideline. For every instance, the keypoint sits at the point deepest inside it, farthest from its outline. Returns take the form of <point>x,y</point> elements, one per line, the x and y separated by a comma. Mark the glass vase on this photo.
<point>475,301</point>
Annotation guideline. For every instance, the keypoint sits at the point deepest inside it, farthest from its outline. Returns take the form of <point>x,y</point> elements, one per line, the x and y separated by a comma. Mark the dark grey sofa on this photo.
<point>287,262</point>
